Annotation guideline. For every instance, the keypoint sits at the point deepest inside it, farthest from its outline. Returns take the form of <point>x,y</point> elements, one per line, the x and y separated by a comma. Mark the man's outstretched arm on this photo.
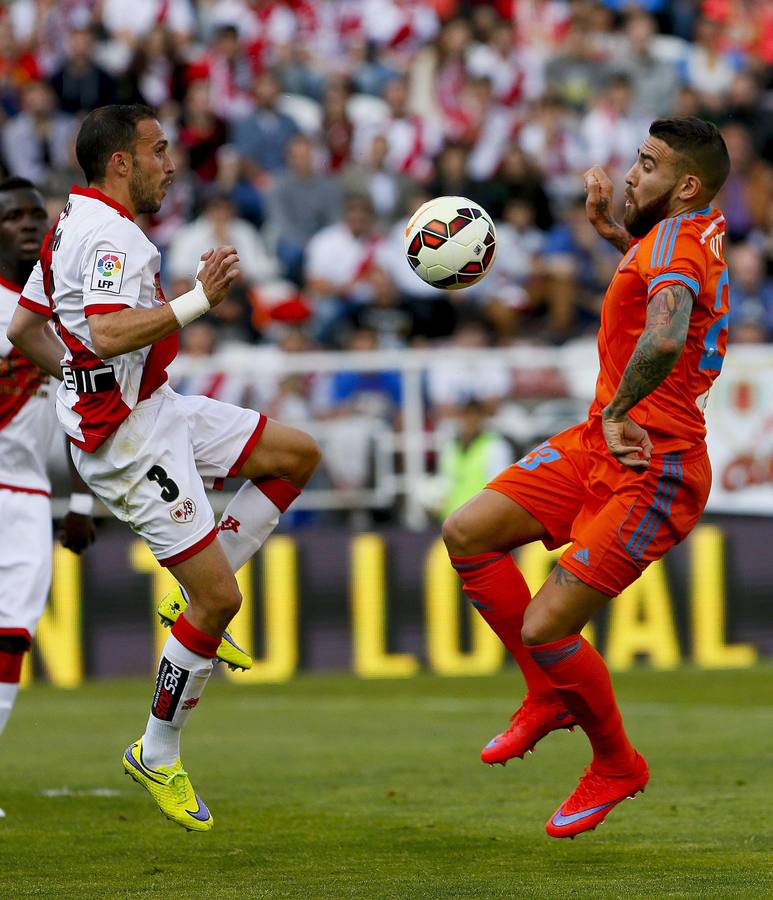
<point>655,355</point>
<point>598,208</point>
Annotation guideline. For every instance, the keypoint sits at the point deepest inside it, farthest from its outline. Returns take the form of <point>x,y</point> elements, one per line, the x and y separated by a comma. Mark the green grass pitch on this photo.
<point>333,787</point>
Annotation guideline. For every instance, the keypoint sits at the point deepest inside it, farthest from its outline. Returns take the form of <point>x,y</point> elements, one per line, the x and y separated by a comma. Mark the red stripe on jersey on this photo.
<point>103,198</point>
<point>19,380</point>
<point>99,309</point>
<point>35,307</point>
<point>161,355</point>
<point>100,413</point>
<point>23,490</point>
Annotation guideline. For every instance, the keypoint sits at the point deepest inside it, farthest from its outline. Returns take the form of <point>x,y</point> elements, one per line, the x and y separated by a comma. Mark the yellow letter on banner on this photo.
<point>369,612</point>
<point>441,590</point>
<point>707,605</point>
<point>536,563</point>
<point>641,621</point>
<point>162,581</point>
<point>280,615</point>
<point>58,638</point>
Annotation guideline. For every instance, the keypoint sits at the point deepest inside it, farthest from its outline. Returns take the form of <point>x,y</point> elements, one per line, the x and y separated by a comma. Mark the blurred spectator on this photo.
<point>748,192</point>
<point>133,24</point>
<point>485,128</point>
<point>577,71</point>
<point>218,226</point>
<point>452,177</point>
<point>747,105</point>
<point>155,74</point>
<point>577,266</point>
<point>385,315</point>
<point>226,67</point>
<point>517,74</point>
<point>611,131</point>
<point>232,181</point>
<point>80,83</point>
<point>337,127</point>
<point>38,139</point>
<point>301,203</point>
<point>473,457</point>
<point>751,290</point>
<point>375,394</point>
<point>437,75</point>
<point>197,340</point>
<point>706,68</point>
<point>261,137</point>
<point>518,178</point>
<point>388,190</point>
<point>338,263</point>
<point>641,55</point>
<point>201,132</point>
<point>510,288</point>
<point>552,144</point>
<point>412,141</point>
<point>449,385</point>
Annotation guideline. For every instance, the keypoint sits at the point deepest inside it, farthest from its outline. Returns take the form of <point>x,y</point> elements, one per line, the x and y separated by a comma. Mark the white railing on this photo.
<point>576,363</point>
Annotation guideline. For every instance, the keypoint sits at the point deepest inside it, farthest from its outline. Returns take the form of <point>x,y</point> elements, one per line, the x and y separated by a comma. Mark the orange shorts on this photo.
<point>618,521</point>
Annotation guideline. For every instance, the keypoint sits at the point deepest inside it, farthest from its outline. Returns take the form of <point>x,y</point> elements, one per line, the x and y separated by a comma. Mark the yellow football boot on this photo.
<point>171,788</point>
<point>229,651</point>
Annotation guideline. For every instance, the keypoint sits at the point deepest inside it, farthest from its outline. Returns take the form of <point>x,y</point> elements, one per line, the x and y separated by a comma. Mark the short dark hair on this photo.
<point>106,130</point>
<point>16,183</point>
<point>702,146</point>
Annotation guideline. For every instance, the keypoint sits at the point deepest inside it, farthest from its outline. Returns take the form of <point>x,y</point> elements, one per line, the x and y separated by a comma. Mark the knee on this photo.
<point>459,535</point>
<point>539,627</point>
<point>307,457</point>
<point>220,602</point>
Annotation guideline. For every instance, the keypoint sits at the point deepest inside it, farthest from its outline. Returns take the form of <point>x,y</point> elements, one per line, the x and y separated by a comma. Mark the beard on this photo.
<point>142,195</point>
<point>639,220</point>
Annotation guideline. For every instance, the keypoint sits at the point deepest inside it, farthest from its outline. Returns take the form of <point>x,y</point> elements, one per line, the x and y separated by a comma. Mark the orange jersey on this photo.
<point>687,250</point>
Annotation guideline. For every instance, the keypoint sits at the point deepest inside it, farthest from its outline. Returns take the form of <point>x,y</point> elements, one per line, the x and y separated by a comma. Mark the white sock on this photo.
<point>182,676</point>
<point>247,521</point>
<point>8,692</point>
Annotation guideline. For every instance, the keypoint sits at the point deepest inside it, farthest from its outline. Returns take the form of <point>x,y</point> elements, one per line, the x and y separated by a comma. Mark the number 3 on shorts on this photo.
<point>543,453</point>
<point>169,489</point>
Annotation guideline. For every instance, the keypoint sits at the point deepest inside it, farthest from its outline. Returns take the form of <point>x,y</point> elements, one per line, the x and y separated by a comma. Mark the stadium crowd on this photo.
<point>306,131</point>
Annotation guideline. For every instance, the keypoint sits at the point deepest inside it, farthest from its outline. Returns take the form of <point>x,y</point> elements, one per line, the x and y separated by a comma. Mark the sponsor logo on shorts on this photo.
<point>582,556</point>
<point>107,274</point>
<point>229,524</point>
<point>170,685</point>
<point>184,511</point>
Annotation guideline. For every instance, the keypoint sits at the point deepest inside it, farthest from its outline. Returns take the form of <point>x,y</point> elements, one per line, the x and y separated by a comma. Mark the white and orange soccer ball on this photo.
<point>450,242</point>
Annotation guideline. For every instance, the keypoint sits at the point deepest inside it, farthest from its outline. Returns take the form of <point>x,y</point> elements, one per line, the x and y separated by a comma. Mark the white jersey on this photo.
<point>27,418</point>
<point>96,260</point>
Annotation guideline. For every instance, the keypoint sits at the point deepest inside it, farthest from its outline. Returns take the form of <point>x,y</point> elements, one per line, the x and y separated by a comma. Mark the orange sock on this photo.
<point>495,587</point>
<point>580,677</point>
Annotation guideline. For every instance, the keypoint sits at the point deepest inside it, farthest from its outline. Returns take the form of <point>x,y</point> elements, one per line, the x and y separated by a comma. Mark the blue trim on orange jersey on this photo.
<point>664,241</point>
<point>700,212</point>
<point>672,242</point>
<point>655,243</point>
<point>675,276</point>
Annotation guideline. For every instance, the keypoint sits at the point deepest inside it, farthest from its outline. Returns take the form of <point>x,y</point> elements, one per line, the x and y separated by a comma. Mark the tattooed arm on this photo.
<point>655,355</point>
<point>598,201</point>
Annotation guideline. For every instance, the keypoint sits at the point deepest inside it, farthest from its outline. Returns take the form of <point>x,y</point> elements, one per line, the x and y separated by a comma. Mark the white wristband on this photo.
<point>82,504</point>
<point>191,305</point>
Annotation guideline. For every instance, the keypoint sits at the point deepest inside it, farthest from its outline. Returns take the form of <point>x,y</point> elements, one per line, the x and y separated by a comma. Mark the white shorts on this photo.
<point>25,561</point>
<point>152,472</point>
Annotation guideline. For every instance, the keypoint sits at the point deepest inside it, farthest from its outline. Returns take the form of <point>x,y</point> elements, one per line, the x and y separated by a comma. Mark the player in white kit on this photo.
<point>27,427</point>
<point>144,450</point>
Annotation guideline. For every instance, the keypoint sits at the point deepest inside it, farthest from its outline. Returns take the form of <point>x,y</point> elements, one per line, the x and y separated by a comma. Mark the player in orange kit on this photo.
<point>626,485</point>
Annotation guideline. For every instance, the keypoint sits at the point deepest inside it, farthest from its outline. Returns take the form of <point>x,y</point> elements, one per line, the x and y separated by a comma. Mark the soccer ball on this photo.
<point>450,242</point>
